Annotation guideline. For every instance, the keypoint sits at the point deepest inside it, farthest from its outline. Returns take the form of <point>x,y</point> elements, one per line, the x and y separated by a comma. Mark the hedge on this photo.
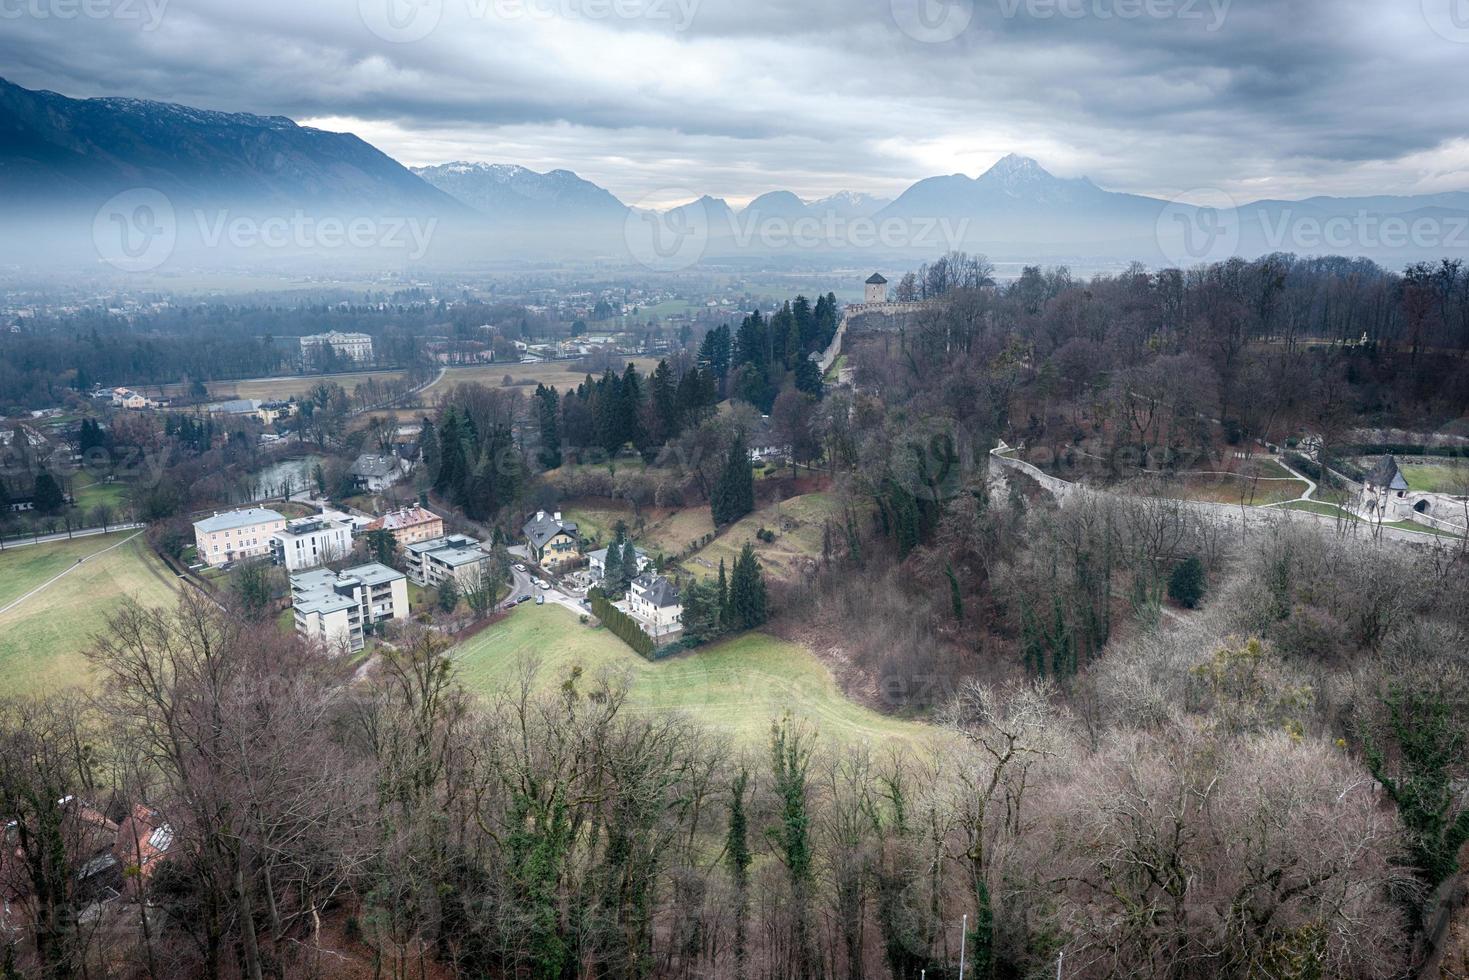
<point>1406,449</point>
<point>623,626</point>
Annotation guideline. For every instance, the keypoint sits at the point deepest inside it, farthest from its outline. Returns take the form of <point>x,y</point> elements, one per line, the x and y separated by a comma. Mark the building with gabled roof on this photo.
<point>553,542</point>
<point>654,602</point>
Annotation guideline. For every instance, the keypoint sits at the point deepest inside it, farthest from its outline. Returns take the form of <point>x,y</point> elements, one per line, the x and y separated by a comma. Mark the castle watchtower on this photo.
<point>877,289</point>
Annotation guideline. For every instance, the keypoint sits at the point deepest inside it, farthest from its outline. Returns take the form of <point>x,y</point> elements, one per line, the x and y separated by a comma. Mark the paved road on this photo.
<point>87,532</point>
<point>523,584</point>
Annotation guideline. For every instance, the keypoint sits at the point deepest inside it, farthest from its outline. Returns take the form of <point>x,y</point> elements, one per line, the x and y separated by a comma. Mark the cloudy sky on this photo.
<point>659,100</point>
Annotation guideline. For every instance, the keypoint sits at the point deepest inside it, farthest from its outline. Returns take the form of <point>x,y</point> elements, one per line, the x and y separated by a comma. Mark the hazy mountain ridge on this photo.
<point>78,152</point>
<point>60,155</point>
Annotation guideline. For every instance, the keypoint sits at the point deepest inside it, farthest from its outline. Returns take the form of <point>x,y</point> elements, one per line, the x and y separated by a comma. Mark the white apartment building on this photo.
<point>458,557</point>
<point>311,541</point>
<point>237,534</point>
<point>353,346</point>
<point>338,609</point>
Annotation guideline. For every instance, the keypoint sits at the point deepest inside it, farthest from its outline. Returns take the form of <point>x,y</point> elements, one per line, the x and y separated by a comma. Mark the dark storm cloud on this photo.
<point>740,96</point>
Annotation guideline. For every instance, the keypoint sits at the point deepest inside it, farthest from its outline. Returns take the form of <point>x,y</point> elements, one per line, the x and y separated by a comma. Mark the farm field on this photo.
<point>268,389</point>
<point>736,687</point>
<point>42,636</point>
<point>560,374</point>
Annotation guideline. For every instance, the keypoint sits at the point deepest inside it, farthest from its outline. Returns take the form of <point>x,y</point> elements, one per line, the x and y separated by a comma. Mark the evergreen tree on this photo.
<point>723,595</point>
<point>738,858</point>
<point>48,494</point>
<point>747,597</point>
<point>734,492</point>
<point>453,467</point>
<point>630,560</point>
<point>808,378</point>
<point>548,416</point>
<point>1186,584</point>
<point>1430,754</point>
<point>663,396</point>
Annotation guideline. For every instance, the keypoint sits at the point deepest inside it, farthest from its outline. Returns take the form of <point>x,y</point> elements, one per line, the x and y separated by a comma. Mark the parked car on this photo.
<point>540,600</point>
<point>520,568</point>
<point>524,598</point>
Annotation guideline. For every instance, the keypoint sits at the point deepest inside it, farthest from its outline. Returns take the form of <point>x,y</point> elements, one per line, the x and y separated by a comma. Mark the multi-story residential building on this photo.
<point>409,525</point>
<point>352,346</point>
<point>654,603</point>
<point>553,542</point>
<point>458,557</point>
<point>339,609</point>
<point>237,534</point>
<point>311,541</point>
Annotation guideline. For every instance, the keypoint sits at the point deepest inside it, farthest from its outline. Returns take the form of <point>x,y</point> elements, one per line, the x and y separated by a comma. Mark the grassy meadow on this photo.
<point>43,636</point>
<point>736,687</point>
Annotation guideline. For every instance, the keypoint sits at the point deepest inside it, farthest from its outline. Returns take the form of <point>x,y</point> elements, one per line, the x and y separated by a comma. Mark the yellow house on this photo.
<point>237,534</point>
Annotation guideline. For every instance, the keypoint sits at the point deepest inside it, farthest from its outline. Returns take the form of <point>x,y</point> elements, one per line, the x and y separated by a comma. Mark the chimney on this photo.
<point>558,515</point>
<point>540,515</point>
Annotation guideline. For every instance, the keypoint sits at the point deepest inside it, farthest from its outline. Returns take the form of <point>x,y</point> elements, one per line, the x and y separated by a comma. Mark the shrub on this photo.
<point>1186,586</point>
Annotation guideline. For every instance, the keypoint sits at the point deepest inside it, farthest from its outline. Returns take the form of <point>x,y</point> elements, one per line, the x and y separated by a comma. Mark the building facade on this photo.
<point>409,525</point>
<point>458,557</point>
<point>553,542</point>
<point>655,604</point>
<point>340,609</point>
<point>350,346</point>
<point>875,289</point>
<point>310,542</point>
<point>597,561</point>
<point>375,473</point>
<point>237,534</point>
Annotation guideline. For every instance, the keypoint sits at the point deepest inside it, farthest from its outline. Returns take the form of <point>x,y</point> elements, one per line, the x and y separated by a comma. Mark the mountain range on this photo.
<point>65,157</point>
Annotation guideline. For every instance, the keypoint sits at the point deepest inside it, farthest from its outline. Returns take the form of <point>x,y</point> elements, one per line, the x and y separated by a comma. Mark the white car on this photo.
<point>520,568</point>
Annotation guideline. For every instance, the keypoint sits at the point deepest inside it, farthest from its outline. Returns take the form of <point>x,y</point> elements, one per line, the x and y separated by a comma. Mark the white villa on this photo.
<point>655,604</point>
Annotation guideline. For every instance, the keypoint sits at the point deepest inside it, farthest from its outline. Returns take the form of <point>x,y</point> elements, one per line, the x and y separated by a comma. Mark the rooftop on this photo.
<point>657,590</point>
<point>229,520</point>
<point>543,527</point>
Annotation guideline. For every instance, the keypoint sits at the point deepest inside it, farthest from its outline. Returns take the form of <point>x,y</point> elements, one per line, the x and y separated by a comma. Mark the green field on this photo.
<point>114,495</point>
<point>42,639</point>
<point>797,525</point>
<point>736,687</point>
<point>1437,477</point>
<point>666,532</point>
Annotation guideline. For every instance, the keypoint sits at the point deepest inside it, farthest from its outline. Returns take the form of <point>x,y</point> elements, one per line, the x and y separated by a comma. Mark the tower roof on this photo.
<point>876,280</point>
